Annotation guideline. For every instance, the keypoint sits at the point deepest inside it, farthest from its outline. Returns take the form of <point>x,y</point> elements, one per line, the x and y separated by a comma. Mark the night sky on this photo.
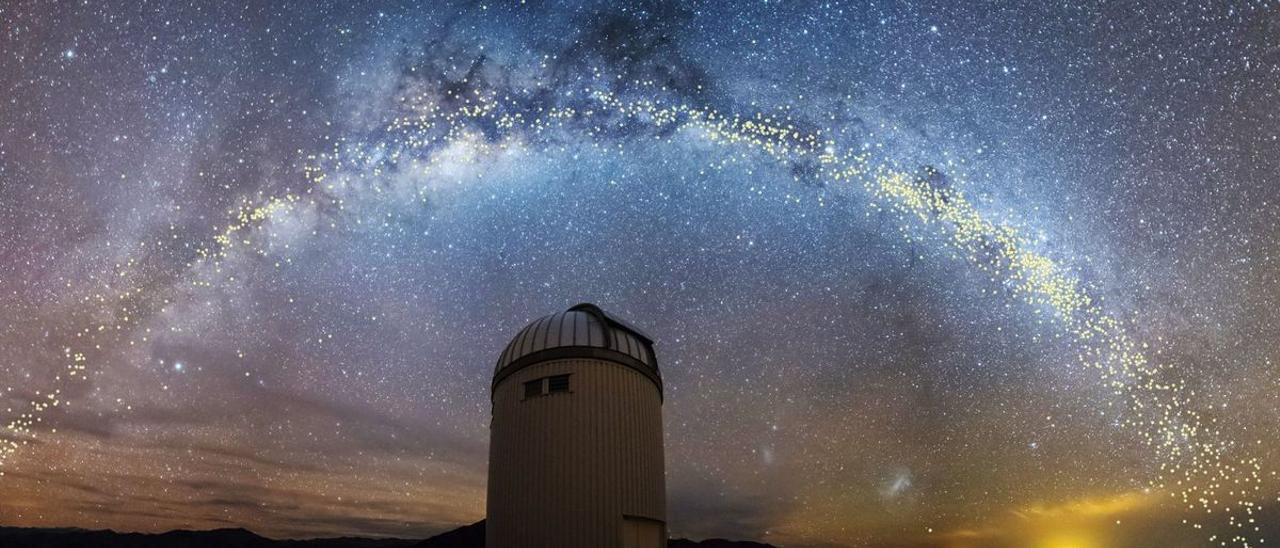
<point>918,273</point>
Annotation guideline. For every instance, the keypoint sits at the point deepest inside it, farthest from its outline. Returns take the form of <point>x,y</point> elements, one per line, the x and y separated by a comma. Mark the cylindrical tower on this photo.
<point>575,451</point>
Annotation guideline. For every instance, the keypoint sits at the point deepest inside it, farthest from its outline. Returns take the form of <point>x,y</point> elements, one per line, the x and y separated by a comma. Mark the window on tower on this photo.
<point>546,385</point>
<point>558,383</point>
<point>533,389</point>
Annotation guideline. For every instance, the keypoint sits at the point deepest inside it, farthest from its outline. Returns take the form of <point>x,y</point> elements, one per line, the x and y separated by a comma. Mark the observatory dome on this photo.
<point>575,442</point>
<point>583,331</point>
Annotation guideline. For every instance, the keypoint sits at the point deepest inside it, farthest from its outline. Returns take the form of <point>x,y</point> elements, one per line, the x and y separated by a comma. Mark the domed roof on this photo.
<point>583,331</point>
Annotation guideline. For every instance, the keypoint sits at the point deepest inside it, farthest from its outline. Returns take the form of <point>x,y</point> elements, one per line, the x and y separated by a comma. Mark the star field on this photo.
<point>970,275</point>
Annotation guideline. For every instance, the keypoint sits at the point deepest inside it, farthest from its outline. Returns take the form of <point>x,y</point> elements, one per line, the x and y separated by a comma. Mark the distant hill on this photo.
<point>16,537</point>
<point>468,536</point>
<point>472,536</point>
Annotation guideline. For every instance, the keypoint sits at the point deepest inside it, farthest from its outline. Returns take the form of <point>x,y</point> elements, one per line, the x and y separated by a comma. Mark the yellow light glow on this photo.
<point>1067,540</point>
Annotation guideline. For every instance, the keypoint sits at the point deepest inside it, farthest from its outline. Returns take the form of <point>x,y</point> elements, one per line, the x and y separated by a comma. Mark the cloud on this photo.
<point>1088,507</point>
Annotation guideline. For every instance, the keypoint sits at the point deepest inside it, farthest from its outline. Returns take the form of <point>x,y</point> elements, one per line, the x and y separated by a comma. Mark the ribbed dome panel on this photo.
<point>582,331</point>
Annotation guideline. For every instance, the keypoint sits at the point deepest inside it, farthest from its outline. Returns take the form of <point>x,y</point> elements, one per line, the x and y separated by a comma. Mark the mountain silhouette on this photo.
<point>467,536</point>
<point>472,536</point>
<point>18,537</point>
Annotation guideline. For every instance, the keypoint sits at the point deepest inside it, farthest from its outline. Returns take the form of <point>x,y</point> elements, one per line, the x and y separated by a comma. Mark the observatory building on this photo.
<point>575,455</point>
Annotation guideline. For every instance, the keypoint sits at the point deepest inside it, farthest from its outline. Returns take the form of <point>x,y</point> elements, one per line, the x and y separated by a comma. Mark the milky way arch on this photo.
<point>1197,465</point>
